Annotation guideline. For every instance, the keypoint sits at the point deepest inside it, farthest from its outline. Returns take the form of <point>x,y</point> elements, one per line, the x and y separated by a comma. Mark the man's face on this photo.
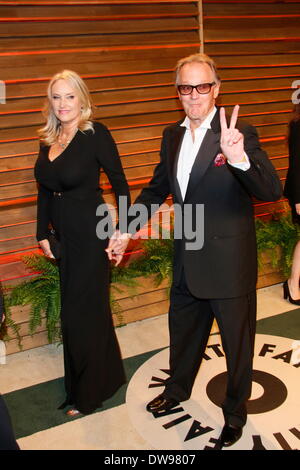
<point>197,106</point>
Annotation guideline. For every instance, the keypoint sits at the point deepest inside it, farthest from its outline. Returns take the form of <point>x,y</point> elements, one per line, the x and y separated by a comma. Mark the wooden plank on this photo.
<point>96,40</point>
<point>28,342</point>
<point>270,279</point>
<point>264,119</point>
<point>250,71</point>
<point>100,98</point>
<point>13,269</point>
<point>64,28</point>
<point>275,130</point>
<point>256,8</point>
<point>98,61</point>
<point>89,2</point>
<point>257,61</point>
<point>11,231</point>
<point>18,244</point>
<point>110,58</point>
<point>247,28</point>
<point>18,190</point>
<point>23,134</point>
<point>107,10</point>
<point>17,214</point>
<point>19,161</point>
<point>271,46</point>
<point>134,80</point>
<point>149,311</point>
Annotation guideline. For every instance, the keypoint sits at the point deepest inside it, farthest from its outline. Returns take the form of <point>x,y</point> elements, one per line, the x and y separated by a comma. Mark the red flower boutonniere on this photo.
<point>219,160</point>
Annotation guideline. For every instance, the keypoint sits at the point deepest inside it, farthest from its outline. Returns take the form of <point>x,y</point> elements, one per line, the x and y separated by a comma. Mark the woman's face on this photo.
<point>65,102</point>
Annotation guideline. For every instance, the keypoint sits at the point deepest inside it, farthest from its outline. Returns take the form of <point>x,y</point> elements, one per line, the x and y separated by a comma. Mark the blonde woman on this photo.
<point>73,149</point>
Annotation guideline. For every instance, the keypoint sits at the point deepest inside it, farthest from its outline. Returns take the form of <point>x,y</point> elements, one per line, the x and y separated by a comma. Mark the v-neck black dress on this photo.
<point>93,365</point>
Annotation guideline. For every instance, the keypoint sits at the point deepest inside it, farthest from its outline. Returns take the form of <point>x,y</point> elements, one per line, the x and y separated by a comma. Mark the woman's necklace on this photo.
<point>65,144</point>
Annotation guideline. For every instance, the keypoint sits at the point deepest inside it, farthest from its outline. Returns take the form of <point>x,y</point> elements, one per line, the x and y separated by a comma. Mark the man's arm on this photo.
<point>154,194</point>
<point>261,179</point>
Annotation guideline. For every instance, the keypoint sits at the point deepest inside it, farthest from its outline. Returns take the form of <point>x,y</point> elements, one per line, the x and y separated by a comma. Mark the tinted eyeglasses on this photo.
<point>202,89</point>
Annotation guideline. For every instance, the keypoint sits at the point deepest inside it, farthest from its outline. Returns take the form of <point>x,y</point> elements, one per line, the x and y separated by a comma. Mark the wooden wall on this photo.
<point>257,47</point>
<point>125,50</point>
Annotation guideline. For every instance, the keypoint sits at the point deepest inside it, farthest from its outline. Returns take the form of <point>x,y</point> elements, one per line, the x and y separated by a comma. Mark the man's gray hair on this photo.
<point>198,58</point>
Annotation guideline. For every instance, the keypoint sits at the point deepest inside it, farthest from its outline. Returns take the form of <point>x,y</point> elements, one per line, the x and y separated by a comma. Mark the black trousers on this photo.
<point>190,322</point>
<point>7,438</point>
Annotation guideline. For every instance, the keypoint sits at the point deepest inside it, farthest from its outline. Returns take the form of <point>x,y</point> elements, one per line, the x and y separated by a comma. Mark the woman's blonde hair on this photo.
<point>49,133</point>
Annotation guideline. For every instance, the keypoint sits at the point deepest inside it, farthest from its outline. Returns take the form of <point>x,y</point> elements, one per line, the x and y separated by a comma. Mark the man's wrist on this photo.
<point>125,236</point>
<point>243,165</point>
<point>243,159</point>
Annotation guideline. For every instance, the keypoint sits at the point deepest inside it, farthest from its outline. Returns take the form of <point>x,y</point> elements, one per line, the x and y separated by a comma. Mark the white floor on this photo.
<point>110,429</point>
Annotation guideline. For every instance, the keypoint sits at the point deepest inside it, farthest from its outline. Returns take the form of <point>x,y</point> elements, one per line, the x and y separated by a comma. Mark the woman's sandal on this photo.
<point>73,412</point>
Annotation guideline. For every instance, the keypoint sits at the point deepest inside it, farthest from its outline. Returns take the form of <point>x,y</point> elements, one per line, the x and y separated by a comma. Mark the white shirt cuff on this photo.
<point>244,166</point>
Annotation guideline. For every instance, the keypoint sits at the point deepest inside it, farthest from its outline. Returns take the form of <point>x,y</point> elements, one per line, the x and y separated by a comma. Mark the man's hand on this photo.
<point>232,140</point>
<point>44,244</point>
<point>117,246</point>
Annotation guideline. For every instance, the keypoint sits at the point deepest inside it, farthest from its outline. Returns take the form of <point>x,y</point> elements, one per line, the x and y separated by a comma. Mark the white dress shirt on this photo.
<point>190,148</point>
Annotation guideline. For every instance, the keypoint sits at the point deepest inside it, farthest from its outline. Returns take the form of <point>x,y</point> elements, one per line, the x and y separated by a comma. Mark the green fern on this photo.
<point>43,291</point>
<point>277,232</point>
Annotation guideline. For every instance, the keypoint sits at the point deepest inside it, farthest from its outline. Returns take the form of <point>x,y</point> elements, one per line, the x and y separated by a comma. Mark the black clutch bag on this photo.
<point>54,243</point>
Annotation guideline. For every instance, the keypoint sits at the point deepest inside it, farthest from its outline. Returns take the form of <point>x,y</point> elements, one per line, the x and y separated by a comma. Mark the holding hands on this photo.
<point>232,140</point>
<point>117,246</point>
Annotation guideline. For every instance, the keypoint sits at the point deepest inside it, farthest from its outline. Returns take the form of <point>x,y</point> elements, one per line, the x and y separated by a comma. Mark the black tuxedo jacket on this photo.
<point>226,265</point>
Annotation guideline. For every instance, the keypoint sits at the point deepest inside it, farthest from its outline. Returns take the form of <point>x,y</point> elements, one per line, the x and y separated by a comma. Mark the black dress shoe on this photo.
<point>230,434</point>
<point>161,403</point>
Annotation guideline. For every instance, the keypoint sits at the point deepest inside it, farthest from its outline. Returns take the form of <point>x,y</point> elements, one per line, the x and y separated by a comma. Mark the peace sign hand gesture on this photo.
<point>232,140</point>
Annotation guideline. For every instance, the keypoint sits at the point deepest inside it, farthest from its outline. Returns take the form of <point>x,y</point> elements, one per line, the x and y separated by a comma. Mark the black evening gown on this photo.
<point>68,196</point>
<point>292,184</point>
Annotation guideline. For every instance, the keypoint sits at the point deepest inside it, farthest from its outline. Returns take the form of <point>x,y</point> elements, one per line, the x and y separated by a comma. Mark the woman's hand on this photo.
<point>117,246</point>
<point>297,206</point>
<point>44,244</point>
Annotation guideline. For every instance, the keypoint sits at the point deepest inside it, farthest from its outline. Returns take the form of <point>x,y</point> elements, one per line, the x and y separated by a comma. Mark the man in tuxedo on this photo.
<point>206,161</point>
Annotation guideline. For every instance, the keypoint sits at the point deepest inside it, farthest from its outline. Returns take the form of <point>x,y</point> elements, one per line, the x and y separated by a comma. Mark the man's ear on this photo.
<point>217,90</point>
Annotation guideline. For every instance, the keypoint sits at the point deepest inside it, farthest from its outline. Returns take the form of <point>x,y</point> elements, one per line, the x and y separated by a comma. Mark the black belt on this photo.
<point>73,194</point>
